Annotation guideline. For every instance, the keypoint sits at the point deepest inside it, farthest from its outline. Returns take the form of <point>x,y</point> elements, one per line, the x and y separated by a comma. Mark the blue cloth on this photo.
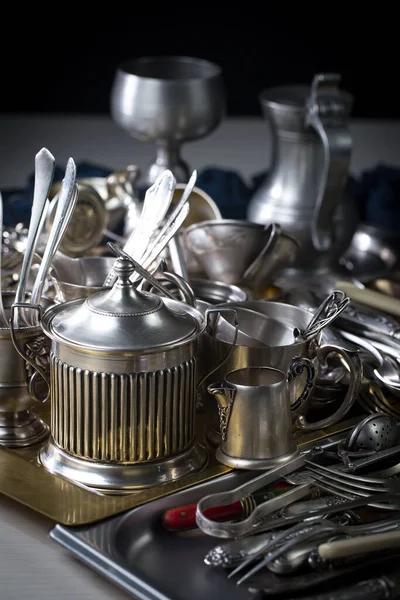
<point>376,191</point>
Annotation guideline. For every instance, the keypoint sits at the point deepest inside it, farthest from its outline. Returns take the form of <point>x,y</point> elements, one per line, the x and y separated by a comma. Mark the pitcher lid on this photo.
<point>120,318</point>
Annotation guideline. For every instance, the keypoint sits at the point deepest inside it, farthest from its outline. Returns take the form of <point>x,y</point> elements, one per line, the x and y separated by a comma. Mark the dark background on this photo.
<point>71,70</point>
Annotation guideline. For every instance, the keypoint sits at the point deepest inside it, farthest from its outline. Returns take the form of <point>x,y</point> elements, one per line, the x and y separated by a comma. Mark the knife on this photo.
<point>275,522</point>
<point>361,544</point>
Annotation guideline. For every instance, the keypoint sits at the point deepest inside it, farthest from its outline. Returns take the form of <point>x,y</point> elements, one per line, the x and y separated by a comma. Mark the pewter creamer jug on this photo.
<point>305,189</point>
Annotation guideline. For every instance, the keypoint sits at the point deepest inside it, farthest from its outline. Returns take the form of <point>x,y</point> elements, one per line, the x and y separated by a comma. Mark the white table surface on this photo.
<point>32,566</point>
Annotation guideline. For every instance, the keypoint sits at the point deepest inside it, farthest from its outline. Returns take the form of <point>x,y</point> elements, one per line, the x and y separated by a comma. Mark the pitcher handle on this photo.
<point>351,358</point>
<point>38,375</point>
<point>337,144</point>
<point>299,364</point>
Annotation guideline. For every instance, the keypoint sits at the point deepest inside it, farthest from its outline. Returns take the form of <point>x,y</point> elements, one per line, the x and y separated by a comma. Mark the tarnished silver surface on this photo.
<point>136,553</point>
<point>111,478</point>
<point>19,384</point>
<point>255,411</point>
<point>167,100</point>
<point>123,385</point>
<point>121,319</point>
<point>225,248</point>
<point>304,190</point>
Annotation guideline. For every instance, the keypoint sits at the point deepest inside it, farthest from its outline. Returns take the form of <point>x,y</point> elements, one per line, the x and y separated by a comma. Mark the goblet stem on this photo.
<point>168,156</point>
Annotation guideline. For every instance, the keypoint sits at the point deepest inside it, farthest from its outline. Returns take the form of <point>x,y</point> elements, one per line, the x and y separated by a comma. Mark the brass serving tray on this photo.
<point>25,480</point>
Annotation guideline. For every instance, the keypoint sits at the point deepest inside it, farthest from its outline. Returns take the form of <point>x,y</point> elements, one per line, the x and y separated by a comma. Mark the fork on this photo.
<point>322,529</point>
<point>350,485</point>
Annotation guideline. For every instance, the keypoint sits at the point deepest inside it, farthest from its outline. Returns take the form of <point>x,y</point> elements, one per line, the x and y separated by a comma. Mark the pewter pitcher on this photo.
<point>304,190</point>
<point>255,409</point>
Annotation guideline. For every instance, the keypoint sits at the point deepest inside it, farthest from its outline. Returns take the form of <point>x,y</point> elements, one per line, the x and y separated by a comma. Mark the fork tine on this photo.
<point>332,489</point>
<point>370,500</point>
<point>352,485</point>
<point>339,489</point>
<point>343,475</point>
<point>267,547</point>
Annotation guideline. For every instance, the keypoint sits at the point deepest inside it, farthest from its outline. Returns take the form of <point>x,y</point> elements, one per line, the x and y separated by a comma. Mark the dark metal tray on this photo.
<point>136,553</point>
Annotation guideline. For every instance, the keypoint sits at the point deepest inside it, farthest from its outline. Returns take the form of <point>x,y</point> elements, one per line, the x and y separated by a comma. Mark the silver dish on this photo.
<point>133,550</point>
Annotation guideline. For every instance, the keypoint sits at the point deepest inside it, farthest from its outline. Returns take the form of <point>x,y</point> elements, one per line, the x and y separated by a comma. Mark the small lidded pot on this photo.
<point>123,378</point>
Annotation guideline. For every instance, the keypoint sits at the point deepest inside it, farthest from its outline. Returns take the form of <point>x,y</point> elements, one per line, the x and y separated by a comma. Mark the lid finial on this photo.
<point>123,268</point>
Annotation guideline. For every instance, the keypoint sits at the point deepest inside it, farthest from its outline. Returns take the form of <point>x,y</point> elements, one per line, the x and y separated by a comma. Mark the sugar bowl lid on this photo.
<point>121,318</point>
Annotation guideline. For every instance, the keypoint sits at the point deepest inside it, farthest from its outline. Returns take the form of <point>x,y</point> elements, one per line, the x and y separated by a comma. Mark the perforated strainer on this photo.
<point>374,433</point>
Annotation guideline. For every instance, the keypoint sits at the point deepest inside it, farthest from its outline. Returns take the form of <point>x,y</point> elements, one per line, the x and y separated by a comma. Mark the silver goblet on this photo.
<point>168,100</point>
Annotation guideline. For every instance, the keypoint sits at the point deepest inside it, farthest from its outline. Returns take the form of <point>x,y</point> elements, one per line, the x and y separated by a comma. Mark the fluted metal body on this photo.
<point>123,418</point>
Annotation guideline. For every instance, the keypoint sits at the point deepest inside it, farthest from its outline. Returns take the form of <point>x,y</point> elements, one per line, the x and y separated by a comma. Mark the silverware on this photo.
<point>155,206</point>
<point>288,539</point>
<point>143,272</point>
<point>176,250</point>
<point>232,553</point>
<point>44,173</point>
<point>352,486</point>
<point>326,313</point>
<point>65,206</point>
<point>343,548</point>
<point>232,529</point>
<point>165,235</point>
<point>276,521</point>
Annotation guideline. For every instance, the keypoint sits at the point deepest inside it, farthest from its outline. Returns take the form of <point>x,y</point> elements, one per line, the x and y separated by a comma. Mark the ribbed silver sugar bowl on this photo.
<point>123,378</point>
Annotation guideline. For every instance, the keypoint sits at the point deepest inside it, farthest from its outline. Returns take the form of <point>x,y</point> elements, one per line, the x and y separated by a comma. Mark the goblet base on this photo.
<point>22,429</point>
<point>179,169</point>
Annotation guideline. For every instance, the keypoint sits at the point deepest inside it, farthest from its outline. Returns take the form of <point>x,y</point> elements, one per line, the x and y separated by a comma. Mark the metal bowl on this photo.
<point>74,278</point>
<point>216,292</point>
<point>225,248</point>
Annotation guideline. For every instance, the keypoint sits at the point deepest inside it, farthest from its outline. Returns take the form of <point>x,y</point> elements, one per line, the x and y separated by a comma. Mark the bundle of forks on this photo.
<point>291,531</point>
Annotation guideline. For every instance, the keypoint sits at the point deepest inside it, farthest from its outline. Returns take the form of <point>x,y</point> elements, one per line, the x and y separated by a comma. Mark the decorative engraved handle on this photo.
<point>36,354</point>
<point>351,358</point>
<point>297,367</point>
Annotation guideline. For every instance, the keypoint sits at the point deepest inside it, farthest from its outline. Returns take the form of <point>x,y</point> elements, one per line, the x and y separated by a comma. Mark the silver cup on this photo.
<point>168,100</point>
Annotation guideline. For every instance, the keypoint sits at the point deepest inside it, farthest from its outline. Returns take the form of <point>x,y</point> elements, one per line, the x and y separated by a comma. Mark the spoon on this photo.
<point>171,226</point>
<point>164,236</point>
<point>155,206</point>
<point>44,173</point>
<point>65,206</point>
<point>156,203</point>
<point>3,320</point>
